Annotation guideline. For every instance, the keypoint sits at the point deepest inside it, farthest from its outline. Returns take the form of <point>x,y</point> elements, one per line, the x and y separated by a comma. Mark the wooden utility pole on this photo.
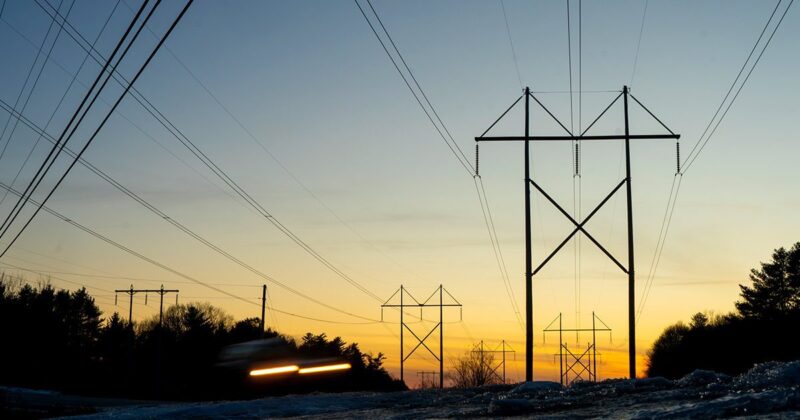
<point>263,307</point>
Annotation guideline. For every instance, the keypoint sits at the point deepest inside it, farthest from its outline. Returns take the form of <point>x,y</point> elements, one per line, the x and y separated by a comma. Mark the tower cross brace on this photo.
<point>441,291</point>
<point>579,226</point>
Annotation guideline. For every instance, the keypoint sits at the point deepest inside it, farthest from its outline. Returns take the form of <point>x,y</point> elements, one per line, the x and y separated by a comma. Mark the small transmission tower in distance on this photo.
<point>576,362</point>
<point>427,303</point>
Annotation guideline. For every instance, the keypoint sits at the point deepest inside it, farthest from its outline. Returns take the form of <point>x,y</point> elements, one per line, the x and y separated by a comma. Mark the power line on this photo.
<point>166,217</point>
<point>105,119</point>
<point>578,202</point>
<point>233,185</point>
<point>569,59</point>
<point>49,275</point>
<point>57,148</point>
<point>691,159</point>
<point>123,116</point>
<point>639,42</point>
<point>284,167</point>
<point>198,153</point>
<point>178,273</point>
<point>511,41</point>
<point>497,253</point>
<point>682,169</point>
<point>416,83</point>
<point>659,250</point>
<point>126,278</point>
<point>35,82</point>
<point>457,151</point>
<point>61,100</point>
<point>163,215</point>
<point>453,147</point>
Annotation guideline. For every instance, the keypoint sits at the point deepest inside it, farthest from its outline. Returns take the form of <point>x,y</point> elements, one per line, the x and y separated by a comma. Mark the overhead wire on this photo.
<point>167,218</point>
<point>691,158</point>
<point>35,82</point>
<point>61,100</point>
<point>701,141</point>
<point>639,42</point>
<point>280,164</point>
<point>498,255</point>
<point>453,147</point>
<point>448,139</point>
<point>577,181</point>
<point>175,272</point>
<point>77,117</point>
<point>125,117</point>
<point>175,223</point>
<point>511,41</point>
<point>416,83</point>
<point>233,185</point>
<point>48,275</point>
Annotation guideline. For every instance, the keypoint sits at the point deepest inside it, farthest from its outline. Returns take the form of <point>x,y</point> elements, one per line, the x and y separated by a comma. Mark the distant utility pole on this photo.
<point>263,306</point>
<point>579,225</point>
<point>502,348</point>
<point>161,292</point>
<point>587,361</point>
<point>421,341</point>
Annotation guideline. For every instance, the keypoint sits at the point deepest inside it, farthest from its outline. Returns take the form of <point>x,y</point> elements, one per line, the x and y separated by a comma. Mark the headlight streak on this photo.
<point>275,370</point>
<point>326,368</point>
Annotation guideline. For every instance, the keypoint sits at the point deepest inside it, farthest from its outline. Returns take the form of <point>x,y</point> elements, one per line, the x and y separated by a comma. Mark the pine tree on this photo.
<point>776,287</point>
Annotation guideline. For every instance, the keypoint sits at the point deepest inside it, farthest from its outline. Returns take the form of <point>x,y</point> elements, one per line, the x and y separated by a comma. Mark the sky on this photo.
<point>343,156</point>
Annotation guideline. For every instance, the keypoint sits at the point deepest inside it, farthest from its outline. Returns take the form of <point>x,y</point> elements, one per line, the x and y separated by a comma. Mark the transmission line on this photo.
<point>449,140</point>
<point>496,249</point>
<point>180,274</point>
<point>639,42</point>
<point>454,148</point>
<point>35,82</point>
<point>701,142</point>
<point>123,116</point>
<point>57,148</point>
<point>60,101</point>
<point>233,185</point>
<point>163,215</point>
<point>511,41</point>
<point>690,160</point>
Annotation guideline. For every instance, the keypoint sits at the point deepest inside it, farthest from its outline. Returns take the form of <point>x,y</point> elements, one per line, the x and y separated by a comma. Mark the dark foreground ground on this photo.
<point>770,390</point>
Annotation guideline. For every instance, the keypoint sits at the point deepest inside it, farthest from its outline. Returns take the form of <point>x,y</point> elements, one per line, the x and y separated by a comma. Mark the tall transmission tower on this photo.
<point>403,304</point>
<point>579,225</point>
<point>503,348</point>
<point>569,361</point>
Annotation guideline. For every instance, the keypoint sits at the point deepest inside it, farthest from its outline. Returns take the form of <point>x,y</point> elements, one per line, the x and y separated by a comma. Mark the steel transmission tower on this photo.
<point>503,348</point>
<point>586,361</point>
<point>403,305</point>
<point>579,225</point>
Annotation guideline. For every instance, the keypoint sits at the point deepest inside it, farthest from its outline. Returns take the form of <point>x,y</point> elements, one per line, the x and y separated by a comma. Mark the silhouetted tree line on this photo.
<point>57,339</point>
<point>763,328</point>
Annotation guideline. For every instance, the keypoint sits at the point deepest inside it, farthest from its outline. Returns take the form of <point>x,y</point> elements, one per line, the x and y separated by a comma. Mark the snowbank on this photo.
<point>769,388</point>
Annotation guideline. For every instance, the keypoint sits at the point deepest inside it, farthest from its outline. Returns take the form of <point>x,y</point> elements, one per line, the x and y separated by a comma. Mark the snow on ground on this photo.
<point>768,390</point>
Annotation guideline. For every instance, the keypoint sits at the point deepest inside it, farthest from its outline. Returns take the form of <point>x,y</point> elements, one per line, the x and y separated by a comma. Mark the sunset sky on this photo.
<point>344,157</point>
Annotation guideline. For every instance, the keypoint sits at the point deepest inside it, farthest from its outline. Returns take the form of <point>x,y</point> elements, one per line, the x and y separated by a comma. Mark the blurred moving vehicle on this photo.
<point>274,357</point>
